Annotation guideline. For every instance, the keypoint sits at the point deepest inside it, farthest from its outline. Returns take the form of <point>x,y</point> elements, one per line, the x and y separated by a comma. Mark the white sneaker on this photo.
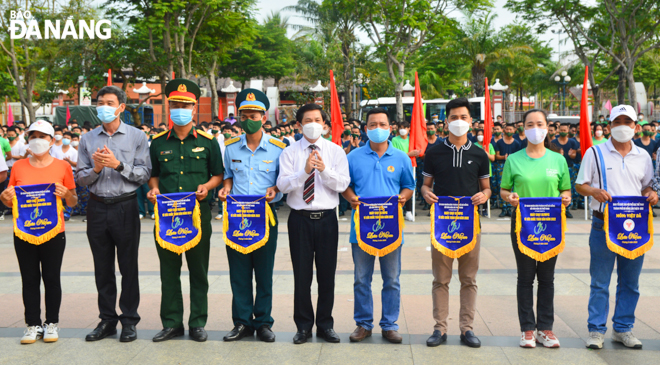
<point>141,216</point>
<point>153,216</point>
<point>32,334</point>
<point>409,217</point>
<point>595,340</point>
<point>218,217</point>
<point>527,339</point>
<point>627,339</point>
<point>547,339</point>
<point>51,332</point>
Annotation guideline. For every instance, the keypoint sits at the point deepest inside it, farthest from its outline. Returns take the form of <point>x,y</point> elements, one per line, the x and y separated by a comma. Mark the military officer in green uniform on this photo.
<point>252,162</point>
<point>185,160</point>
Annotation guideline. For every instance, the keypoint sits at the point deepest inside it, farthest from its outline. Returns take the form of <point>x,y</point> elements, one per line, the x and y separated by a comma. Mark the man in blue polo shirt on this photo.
<point>377,169</point>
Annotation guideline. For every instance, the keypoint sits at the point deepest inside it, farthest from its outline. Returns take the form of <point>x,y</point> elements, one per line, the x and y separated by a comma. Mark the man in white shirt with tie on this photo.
<point>313,171</point>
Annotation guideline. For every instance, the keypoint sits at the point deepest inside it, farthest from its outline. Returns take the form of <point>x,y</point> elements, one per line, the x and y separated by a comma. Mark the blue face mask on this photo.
<point>106,113</point>
<point>181,117</point>
<point>66,141</point>
<point>378,135</point>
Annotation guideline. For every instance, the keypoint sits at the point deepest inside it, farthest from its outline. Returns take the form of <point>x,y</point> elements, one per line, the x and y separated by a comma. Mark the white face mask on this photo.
<point>536,135</point>
<point>75,143</point>
<point>480,138</point>
<point>312,130</point>
<point>325,132</point>
<point>622,133</point>
<point>459,127</point>
<point>58,137</point>
<point>598,133</point>
<point>39,146</point>
<point>403,132</point>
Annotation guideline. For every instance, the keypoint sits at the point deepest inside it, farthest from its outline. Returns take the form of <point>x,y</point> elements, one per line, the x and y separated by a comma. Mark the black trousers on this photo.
<point>37,262</point>
<point>528,269</point>
<point>313,240</point>
<point>113,227</point>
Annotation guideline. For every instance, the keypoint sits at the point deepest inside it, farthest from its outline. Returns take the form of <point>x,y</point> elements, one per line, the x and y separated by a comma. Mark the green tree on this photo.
<point>398,29</point>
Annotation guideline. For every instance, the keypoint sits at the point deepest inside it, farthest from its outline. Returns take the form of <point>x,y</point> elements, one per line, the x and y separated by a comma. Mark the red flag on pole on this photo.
<point>335,112</point>
<point>10,114</point>
<point>109,77</point>
<point>488,120</point>
<point>68,115</point>
<point>417,137</point>
<point>585,123</point>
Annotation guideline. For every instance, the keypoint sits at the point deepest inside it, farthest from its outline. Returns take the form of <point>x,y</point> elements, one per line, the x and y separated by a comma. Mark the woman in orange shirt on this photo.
<point>44,261</point>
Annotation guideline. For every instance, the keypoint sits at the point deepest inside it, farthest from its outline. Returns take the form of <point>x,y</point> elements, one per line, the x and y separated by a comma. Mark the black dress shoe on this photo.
<point>239,331</point>
<point>436,339</point>
<point>103,330</point>
<point>128,334</point>
<point>198,334</point>
<point>502,214</point>
<point>470,339</point>
<point>301,337</point>
<point>265,334</point>
<point>568,214</point>
<point>168,334</point>
<point>329,335</point>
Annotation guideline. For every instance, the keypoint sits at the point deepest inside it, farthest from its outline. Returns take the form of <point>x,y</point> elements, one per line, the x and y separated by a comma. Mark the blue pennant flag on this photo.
<point>379,224</point>
<point>454,225</point>
<point>245,222</point>
<point>540,227</point>
<point>178,221</point>
<point>38,213</point>
<point>629,226</point>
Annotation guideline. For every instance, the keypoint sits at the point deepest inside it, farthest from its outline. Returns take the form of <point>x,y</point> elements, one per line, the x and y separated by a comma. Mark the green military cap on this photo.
<point>252,99</point>
<point>182,90</point>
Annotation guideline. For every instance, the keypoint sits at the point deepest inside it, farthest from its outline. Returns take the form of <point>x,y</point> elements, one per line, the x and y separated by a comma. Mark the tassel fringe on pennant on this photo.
<point>541,257</point>
<point>372,250</point>
<point>463,250</point>
<point>197,223</point>
<point>259,244</point>
<point>38,240</point>
<point>622,251</point>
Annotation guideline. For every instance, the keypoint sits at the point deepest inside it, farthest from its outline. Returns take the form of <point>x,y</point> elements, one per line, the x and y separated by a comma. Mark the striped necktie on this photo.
<point>308,190</point>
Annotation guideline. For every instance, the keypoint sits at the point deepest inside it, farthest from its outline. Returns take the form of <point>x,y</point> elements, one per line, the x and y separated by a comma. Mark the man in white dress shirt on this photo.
<point>313,171</point>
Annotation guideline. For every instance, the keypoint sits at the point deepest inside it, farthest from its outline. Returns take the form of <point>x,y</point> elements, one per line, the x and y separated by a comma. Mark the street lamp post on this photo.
<point>558,32</point>
<point>566,79</point>
<point>361,81</point>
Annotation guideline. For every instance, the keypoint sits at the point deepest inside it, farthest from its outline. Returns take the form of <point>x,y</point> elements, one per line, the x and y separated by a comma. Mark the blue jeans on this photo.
<point>390,270</point>
<point>627,289</point>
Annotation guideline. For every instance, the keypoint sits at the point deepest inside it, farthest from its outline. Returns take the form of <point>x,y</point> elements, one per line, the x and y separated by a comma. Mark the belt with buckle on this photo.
<point>114,199</point>
<point>317,214</point>
<point>599,215</point>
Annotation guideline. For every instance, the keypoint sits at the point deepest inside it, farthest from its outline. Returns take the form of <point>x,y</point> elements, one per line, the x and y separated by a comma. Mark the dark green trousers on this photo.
<point>197,258</point>
<point>245,309</point>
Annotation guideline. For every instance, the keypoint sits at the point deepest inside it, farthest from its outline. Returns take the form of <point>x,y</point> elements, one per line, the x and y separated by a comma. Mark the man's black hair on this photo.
<point>377,111</point>
<point>457,103</point>
<point>119,93</point>
<point>307,108</point>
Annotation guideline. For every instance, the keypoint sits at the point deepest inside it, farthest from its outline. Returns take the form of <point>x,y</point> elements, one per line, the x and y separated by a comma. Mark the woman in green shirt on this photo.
<point>599,135</point>
<point>535,172</point>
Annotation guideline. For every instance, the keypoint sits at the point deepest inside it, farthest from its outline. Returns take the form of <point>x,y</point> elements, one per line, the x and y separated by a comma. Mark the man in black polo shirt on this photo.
<point>459,168</point>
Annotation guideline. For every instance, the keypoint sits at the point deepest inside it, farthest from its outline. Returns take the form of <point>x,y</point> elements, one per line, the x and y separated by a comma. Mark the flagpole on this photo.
<point>414,201</point>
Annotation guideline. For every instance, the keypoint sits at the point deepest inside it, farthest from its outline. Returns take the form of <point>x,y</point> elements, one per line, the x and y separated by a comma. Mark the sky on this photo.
<point>503,18</point>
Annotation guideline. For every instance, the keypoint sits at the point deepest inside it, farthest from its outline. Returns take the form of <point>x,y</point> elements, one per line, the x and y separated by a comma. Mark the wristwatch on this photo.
<point>120,168</point>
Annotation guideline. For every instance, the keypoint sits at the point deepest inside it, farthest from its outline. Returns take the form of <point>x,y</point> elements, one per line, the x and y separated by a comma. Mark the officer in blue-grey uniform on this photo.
<point>252,166</point>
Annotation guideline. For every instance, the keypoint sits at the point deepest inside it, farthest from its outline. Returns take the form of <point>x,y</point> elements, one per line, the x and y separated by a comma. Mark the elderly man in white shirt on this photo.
<point>624,169</point>
<point>313,171</point>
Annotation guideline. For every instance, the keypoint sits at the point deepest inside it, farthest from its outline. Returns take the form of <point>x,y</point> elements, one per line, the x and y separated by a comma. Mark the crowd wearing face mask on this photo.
<point>114,174</point>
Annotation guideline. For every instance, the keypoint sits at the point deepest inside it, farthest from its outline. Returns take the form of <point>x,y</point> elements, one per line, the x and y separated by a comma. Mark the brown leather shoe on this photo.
<point>359,334</point>
<point>393,336</point>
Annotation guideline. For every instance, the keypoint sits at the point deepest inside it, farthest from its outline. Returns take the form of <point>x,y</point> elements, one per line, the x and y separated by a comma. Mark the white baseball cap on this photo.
<point>622,109</point>
<point>43,127</point>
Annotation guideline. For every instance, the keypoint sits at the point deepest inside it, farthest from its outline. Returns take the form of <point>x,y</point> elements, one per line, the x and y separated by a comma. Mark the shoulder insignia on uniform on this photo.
<point>202,133</point>
<point>233,140</point>
<point>277,142</point>
<point>161,134</point>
